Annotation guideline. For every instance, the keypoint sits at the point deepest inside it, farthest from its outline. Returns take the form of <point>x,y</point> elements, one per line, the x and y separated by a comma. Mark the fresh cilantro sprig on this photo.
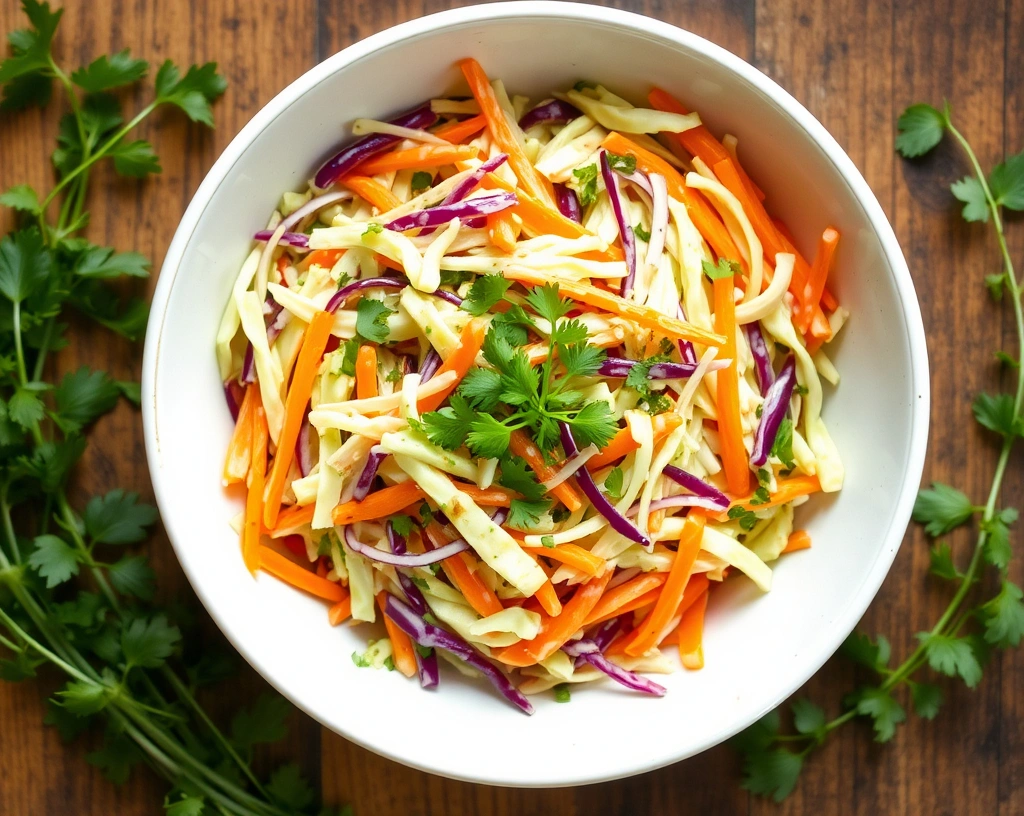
<point>76,593</point>
<point>959,642</point>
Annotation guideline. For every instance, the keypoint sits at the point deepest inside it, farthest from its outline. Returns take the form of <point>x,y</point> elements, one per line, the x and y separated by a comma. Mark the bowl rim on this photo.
<point>638,24</point>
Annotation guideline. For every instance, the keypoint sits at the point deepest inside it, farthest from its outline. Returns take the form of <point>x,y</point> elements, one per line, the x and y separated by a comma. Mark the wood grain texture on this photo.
<point>855,65</point>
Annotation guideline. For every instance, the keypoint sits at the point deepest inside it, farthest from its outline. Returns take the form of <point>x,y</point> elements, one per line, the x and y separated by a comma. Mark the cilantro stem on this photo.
<point>31,642</point>
<point>12,538</point>
<point>11,645</point>
<point>18,350</point>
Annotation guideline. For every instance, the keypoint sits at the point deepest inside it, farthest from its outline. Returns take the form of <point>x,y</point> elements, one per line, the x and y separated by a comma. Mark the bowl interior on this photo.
<point>759,648</point>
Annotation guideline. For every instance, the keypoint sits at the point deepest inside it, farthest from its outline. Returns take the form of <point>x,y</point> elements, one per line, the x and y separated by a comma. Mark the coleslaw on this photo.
<point>516,387</point>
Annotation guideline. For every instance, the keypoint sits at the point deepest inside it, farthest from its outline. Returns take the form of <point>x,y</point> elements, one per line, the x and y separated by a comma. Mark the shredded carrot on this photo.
<point>704,218</point>
<point>366,372</point>
<point>502,231</point>
<point>672,593</point>
<point>306,368</point>
<point>697,140</point>
<point>417,158</point>
<point>546,595</point>
<point>236,464</point>
<point>572,555</point>
<point>257,478</point>
<point>292,517</point>
<point>614,601</point>
<point>798,540</point>
<point>456,132</point>
<point>460,569</point>
<point>341,611</point>
<point>529,178</point>
<point>694,587</point>
<point>555,631</point>
<point>487,497</point>
<point>815,286</point>
<point>374,192</point>
<point>299,577</point>
<point>401,646</point>
<point>326,258</point>
<point>384,502</point>
<point>623,442</point>
<point>730,428</point>
<point>786,491</point>
<point>691,633</point>
<point>525,448</point>
<point>459,361</point>
<point>644,315</point>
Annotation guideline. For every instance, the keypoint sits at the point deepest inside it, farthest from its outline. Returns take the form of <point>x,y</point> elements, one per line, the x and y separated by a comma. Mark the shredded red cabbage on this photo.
<point>295,240</point>
<point>349,289</point>
<point>776,403</point>
<point>620,367</point>
<point>406,559</point>
<point>443,213</point>
<point>759,350</point>
<point>361,149</point>
<point>589,651</point>
<point>470,182</point>
<point>302,453</point>
<point>696,485</point>
<point>365,481</point>
<point>231,400</point>
<point>622,525</point>
<point>611,183</point>
<point>686,352</point>
<point>450,297</point>
<point>426,634</point>
<point>554,111</point>
<point>568,203</point>
<point>431,363</point>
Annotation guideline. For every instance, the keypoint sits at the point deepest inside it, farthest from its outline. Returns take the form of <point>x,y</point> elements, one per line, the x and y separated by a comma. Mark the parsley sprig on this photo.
<point>75,593</point>
<point>959,642</point>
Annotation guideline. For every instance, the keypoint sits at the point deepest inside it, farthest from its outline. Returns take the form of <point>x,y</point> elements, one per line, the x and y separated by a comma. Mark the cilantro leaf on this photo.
<point>760,735</point>
<point>941,509</point>
<point>289,789</point>
<point>486,291</point>
<point>942,562</point>
<point>54,560</point>
<point>546,302</point>
<point>449,426</point>
<point>747,518</point>
<point>83,697</point>
<point>27,89</point>
<point>68,725</point>
<point>25,407</point>
<point>487,437</point>
<point>102,304</point>
<point>194,92</point>
<point>402,525</point>
<point>568,332</point>
<point>562,693</point>
<point>951,657</point>
<point>624,164</point>
<point>31,47</point>
<point>642,234</point>
<point>186,806</point>
<point>771,773</point>
<point>132,575</point>
<point>116,758</point>
<point>594,424</point>
<point>997,414</point>
<point>808,718</point>
<point>881,707</point>
<point>969,190</point>
<point>995,284</point>
<point>586,184</point>
<point>82,397</point>
<point>421,180</point>
<point>997,544</point>
<point>263,723</point>
<point>927,699</point>
<point>103,262</point>
<point>861,649</point>
<point>110,72</point>
<point>1004,617</point>
<point>613,483</point>
<point>372,320</point>
<point>1007,360</point>
<point>920,129</point>
<point>347,358</point>
<point>523,514</point>
<point>22,197</point>
<point>724,268</point>
<point>148,643</point>
<point>581,359</point>
<point>1007,182</point>
<point>118,518</point>
<point>782,447</point>
<point>24,264</point>
<point>482,388</point>
<point>135,159</point>
<point>515,475</point>
<point>520,380</point>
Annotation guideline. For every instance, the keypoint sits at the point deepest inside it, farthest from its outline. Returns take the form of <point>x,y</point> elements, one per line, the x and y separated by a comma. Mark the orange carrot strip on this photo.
<point>374,192</point>
<point>529,179</point>
<point>401,646</point>
<point>236,464</point>
<point>555,631</point>
<point>417,158</point>
<point>294,516</point>
<point>341,611</point>
<point>612,603</point>
<point>257,479</point>
<point>459,569</point>
<point>704,218</point>
<point>623,442</point>
<point>730,429</point>
<point>546,595</point>
<point>691,633</point>
<point>522,446</point>
<point>541,219</point>
<point>672,592</point>
<point>698,140</point>
<point>644,315</point>
<point>460,361</point>
<point>786,491</point>
<point>798,540</point>
<point>815,286</point>
<point>306,367</point>
<point>502,230</point>
<point>326,258</point>
<point>571,555</point>
<point>694,587</point>
<point>456,132</point>
<point>366,372</point>
<point>487,497</point>
<point>300,578</point>
<point>384,502</point>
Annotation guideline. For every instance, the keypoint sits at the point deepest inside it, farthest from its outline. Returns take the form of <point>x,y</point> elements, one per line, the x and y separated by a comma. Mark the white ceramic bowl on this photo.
<point>759,648</point>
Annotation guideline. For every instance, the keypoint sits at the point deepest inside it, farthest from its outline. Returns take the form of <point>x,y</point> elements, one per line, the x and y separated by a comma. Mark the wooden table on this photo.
<point>855,65</point>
